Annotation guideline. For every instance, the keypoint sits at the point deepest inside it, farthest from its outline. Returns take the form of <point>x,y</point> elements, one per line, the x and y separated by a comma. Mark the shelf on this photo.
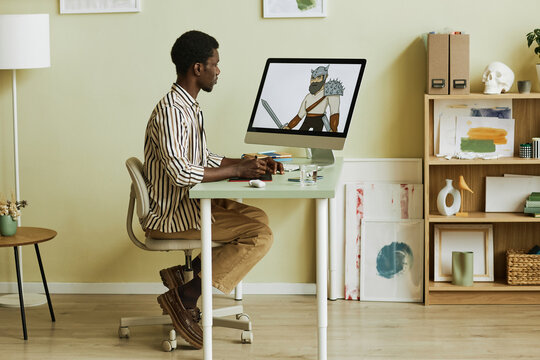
<point>483,217</point>
<point>480,96</point>
<point>433,160</point>
<point>481,286</point>
<point>483,293</point>
<point>511,230</point>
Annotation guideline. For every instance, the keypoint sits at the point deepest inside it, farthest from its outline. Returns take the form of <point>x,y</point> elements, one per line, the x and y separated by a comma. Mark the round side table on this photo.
<point>29,236</point>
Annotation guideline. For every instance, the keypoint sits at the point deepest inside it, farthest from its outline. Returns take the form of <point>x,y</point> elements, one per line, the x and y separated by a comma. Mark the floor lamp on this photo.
<point>24,44</point>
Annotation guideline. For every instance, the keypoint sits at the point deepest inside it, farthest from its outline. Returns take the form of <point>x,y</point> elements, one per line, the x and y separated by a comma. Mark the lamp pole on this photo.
<point>24,44</point>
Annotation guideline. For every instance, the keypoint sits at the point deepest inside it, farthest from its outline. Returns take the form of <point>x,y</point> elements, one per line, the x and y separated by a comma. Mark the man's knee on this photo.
<point>262,217</point>
<point>265,238</point>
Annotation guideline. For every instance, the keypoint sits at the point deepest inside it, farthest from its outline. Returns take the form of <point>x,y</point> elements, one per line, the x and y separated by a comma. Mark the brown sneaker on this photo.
<point>173,277</point>
<point>182,319</point>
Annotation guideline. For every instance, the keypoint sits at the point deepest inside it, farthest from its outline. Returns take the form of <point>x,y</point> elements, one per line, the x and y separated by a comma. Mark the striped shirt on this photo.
<point>175,155</point>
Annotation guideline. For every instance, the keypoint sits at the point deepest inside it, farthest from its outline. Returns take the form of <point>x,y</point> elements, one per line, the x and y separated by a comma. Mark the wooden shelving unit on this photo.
<point>510,230</point>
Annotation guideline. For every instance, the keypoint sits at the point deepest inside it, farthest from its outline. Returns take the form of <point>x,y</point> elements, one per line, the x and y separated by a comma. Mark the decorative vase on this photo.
<point>8,226</point>
<point>462,268</point>
<point>441,199</point>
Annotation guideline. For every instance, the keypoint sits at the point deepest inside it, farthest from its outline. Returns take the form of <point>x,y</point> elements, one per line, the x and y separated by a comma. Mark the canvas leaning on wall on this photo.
<point>374,201</point>
<point>392,261</point>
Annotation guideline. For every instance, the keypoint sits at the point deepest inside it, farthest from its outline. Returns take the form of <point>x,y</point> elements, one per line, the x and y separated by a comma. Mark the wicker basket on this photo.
<point>522,268</point>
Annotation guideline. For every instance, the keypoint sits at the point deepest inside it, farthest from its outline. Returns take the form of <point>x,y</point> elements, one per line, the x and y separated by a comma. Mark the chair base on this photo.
<point>241,322</point>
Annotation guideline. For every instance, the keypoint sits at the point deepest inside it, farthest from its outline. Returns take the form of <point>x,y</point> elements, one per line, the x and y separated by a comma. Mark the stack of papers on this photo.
<point>473,129</point>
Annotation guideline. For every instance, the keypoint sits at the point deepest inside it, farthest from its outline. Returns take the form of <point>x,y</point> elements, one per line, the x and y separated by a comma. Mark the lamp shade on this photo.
<point>24,41</point>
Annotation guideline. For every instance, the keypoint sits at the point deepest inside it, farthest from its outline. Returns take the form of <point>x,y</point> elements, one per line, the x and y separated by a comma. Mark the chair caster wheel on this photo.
<point>246,337</point>
<point>169,345</point>
<point>123,332</point>
<point>243,317</point>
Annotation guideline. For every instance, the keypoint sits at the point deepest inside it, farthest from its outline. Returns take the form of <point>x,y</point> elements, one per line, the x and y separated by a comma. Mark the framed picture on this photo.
<point>475,238</point>
<point>294,8</point>
<point>392,262</point>
<point>99,6</point>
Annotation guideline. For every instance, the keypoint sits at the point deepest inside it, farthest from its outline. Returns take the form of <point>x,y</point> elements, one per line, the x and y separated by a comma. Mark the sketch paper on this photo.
<point>451,109</point>
<point>508,193</point>
<point>447,144</point>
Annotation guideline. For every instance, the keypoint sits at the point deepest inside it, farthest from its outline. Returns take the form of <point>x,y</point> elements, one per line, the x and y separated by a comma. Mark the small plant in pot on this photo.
<point>10,210</point>
<point>534,38</point>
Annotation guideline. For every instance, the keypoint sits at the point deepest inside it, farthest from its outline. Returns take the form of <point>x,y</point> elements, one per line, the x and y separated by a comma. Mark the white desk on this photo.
<point>279,188</point>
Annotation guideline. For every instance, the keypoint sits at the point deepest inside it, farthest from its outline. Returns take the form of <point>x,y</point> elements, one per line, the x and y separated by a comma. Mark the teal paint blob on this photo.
<point>393,259</point>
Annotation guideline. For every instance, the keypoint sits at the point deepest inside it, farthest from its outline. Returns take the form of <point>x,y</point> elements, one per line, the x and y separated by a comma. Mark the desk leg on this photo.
<point>322,281</point>
<point>21,299</point>
<point>333,287</point>
<point>206,276</point>
<point>238,290</point>
<point>51,311</point>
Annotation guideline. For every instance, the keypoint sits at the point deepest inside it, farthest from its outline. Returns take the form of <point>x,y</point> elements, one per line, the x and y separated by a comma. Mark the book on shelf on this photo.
<point>531,210</point>
<point>532,203</point>
<point>535,196</point>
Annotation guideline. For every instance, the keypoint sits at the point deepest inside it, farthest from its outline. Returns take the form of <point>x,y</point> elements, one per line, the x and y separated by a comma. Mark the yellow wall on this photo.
<point>82,117</point>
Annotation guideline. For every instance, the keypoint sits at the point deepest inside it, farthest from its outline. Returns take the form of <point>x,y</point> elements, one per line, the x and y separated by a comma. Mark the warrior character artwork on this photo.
<point>322,95</point>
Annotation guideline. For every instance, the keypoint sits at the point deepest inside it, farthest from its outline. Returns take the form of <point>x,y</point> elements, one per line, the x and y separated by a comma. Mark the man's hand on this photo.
<point>273,167</point>
<point>251,168</point>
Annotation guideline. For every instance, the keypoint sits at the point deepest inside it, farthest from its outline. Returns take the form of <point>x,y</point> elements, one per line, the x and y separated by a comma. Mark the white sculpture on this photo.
<point>441,199</point>
<point>497,78</point>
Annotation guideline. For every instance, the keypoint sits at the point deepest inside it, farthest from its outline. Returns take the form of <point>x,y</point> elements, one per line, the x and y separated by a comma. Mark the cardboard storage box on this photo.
<point>448,64</point>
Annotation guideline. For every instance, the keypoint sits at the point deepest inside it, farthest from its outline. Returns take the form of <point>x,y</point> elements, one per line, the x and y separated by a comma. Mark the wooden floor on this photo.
<point>284,328</point>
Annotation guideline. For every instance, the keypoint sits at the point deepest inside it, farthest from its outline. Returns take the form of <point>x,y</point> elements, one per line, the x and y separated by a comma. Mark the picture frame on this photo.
<point>477,238</point>
<point>99,6</point>
<point>294,9</point>
<point>392,261</point>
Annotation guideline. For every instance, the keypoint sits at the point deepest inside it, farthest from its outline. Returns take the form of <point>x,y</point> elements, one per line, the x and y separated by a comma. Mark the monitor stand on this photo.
<point>320,156</point>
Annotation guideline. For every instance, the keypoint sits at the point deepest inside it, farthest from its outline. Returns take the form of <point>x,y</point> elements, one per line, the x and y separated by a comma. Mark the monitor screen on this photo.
<point>305,102</point>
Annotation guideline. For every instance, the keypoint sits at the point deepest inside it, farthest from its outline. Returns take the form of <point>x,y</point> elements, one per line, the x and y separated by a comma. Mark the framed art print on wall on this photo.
<point>294,8</point>
<point>475,238</point>
<point>99,6</point>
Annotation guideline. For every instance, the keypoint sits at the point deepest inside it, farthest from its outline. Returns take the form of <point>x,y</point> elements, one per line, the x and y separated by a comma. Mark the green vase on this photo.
<point>8,226</point>
<point>462,268</point>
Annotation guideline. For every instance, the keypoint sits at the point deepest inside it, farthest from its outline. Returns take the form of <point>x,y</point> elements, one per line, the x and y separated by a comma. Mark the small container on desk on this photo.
<point>525,151</point>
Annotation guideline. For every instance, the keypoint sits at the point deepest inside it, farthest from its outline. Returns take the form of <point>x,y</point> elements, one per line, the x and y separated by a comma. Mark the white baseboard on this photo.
<point>151,288</point>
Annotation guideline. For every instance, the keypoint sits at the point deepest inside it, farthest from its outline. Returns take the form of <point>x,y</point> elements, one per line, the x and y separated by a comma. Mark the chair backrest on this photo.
<point>139,195</point>
<point>138,185</point>
<point>139,192</point>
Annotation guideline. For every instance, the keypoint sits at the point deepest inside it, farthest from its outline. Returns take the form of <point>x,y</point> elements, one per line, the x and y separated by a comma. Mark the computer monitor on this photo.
<point>306,103</point>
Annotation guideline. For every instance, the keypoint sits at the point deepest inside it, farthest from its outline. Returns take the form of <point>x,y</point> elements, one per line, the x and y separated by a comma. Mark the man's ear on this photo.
<point>197,68</point>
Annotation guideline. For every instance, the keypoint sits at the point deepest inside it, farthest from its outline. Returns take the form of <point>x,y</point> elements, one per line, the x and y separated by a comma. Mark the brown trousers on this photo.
<point>246,236</point>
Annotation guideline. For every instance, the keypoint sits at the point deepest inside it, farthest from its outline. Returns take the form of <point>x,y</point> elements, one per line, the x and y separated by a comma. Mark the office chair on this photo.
<point>139,194</point>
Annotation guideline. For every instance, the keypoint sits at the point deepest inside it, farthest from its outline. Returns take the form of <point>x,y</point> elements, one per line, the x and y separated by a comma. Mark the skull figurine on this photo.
<point>497,78</point>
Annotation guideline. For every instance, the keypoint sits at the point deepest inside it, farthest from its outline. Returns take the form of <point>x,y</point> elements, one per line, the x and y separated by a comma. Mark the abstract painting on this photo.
<point>374,201</point>
<point>391,266</point>
<point>485,135</point>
